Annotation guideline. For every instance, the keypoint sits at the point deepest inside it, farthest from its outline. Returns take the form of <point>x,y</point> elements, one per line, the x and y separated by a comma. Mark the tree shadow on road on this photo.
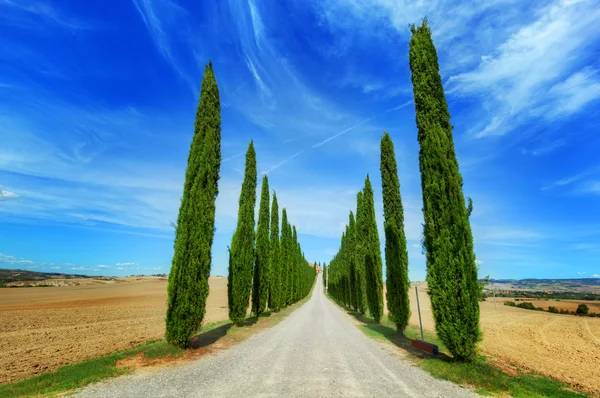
<point>207,338</point>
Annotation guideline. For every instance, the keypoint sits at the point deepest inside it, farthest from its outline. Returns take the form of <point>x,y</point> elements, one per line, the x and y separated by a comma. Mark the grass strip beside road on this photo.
<point>481,375</point>
<point>151,353</point>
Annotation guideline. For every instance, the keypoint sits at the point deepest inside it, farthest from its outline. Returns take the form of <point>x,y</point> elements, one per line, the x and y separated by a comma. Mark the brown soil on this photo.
<point>564,347</point>
<point>42,329</point>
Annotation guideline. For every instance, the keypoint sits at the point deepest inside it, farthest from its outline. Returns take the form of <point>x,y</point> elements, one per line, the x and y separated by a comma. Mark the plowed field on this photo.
<point>44,328</point>
<point>564,347</point>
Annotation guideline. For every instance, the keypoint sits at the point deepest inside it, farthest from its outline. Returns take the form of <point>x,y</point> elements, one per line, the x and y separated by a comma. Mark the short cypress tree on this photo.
<point>451,269</point>
<point>188,278</point>
<point>396,255</point>
<point>373,271</point>
<point>275,281</point>
<point>261,264</point>
<point>241,258</point>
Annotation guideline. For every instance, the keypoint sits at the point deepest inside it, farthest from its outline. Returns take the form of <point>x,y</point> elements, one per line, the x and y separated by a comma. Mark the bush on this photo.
<point>582,309</point>
<point>510,303</point>
<point>527,306</point>
<point>553,309</point>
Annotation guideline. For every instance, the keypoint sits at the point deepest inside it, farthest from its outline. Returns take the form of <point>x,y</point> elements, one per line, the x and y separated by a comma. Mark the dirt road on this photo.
<point>316,351</point>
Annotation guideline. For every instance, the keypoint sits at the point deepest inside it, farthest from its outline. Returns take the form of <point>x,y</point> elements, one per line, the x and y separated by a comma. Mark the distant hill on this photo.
<point>583,285</point>
<point>19,275</point>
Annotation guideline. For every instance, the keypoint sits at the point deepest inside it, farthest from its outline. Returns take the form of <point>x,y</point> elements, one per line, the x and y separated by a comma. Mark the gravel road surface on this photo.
<point>315,352</point>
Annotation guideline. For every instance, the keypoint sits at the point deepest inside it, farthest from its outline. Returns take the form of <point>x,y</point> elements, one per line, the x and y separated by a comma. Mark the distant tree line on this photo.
<point>266,270</point>
<point>582,309</point>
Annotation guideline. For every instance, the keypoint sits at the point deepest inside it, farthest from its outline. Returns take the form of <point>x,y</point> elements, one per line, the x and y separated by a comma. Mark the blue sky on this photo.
<point>97,101</point>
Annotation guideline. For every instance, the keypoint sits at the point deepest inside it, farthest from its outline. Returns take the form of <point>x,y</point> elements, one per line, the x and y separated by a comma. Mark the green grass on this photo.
<point>479,375</point>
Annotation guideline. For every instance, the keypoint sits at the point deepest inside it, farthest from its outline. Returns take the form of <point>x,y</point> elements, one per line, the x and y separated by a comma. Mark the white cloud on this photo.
<point>528,74</point>
<point>595,276</point>
<point>102,266</point>
<point>5,194</point>
<point>478,262</point>
<point>416,246</point>
<point>13,260</point>
<point>126,264</point>
<point>581,273</point>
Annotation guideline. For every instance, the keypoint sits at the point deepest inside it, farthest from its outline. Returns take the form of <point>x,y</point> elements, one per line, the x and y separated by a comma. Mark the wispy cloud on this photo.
<point>6,259</point>
<point>6,194</point>
<point>36,14</point>
<point>546,51</point>
<point>168,25</point>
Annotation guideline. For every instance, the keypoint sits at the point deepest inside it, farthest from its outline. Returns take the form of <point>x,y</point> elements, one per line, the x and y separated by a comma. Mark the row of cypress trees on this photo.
<point>453,287</point>
<point>355,272</point>
<point>269,268</point>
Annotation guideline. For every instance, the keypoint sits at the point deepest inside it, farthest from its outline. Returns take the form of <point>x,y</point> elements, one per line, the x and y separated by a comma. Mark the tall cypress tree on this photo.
<point>275,271</point>
<point>188,278</point>
<point>396,255</point>
<point>373,272</point>
<point>261,264</point>
<point>359,255</point>
<point>451,270</point>
<point>284,258</point>
<point>241,257</point>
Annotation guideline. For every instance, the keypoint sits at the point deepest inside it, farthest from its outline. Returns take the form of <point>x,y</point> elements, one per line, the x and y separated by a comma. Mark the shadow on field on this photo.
<point>210,337</point>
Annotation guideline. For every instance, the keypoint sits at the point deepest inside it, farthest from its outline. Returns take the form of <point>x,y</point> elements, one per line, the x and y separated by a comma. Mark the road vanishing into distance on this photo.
<point>316,351</point>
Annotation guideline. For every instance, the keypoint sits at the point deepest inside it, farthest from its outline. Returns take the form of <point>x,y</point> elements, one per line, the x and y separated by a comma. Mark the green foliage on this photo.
<point>510,303</point>
<point>373,271</point>
<point>451,268</point>
<point>188,278</point>
<point>241,254</point>
<point>275,282</point>
<point>261,265</point>
<point>582,309</point>
<point>286,237</point>
<point>553,309</point>
<point>396,254</point>
<point>527,306</point>
<point>359,255</point>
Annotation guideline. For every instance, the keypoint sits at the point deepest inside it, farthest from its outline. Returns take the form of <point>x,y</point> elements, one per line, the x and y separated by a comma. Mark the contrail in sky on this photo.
<point>335,136</point>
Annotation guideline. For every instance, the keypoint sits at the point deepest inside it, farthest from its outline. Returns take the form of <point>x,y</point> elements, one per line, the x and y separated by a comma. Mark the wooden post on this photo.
<point>419,310</point>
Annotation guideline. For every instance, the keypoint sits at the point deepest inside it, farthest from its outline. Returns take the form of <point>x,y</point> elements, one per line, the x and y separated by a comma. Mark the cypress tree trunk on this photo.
<point>284,256</point>
<point>451,270</point>
<point>359,255</point>
<point>373,272</point>
<point>396,255</point>
<point>188,279</point>
<point>261,264</point>
<point>241,259</point>
<point>275,282</point>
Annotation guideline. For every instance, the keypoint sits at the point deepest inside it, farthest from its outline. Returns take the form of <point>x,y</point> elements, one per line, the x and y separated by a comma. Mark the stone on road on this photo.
<point>316,352</point>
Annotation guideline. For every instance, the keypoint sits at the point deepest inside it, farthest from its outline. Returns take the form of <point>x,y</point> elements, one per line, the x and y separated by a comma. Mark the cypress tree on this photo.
<point>396,255</point>
<point>188,279</point>
<point>373,272</point>
<point>359,255</point>
<point>275,281</point>
<point>354,276</point>
<point>284,258</point>
<point>261,263</point>
<point>241,258</point>
<point>451,269</point>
